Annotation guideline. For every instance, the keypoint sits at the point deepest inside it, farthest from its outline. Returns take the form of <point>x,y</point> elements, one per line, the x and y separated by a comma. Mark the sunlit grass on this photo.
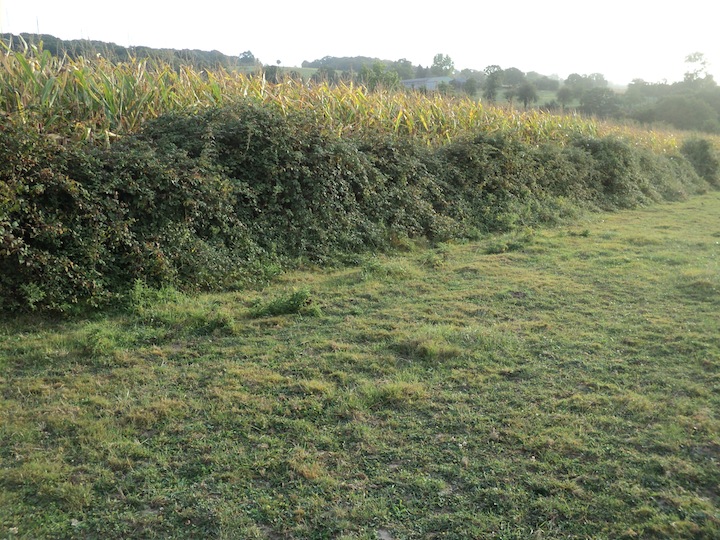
<point>566,385</point>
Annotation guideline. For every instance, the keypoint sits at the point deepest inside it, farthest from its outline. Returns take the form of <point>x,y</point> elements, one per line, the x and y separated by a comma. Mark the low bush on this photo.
<point>704,158</point>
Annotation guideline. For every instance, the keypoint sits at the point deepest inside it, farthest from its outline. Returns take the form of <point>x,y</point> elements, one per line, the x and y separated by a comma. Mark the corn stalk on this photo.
<point>96,98</point>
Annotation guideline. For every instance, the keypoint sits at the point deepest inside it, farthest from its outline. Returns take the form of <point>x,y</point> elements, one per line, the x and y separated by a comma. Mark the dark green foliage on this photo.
<point>81,224</point>
<point>704,158</point>
<point>691,104</point>
<point>624,176</point>
<point>220,199</point>
<point>688,112</point>
<point>600,102</point>
<point>55,236</point>
<point>300,191</point>
<point>615,179</point>
<point>492,179</point>
<point>408,196</point>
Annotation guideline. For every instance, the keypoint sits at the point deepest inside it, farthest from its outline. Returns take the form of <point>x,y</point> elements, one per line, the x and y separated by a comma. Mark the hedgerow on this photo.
<point>206,200</point>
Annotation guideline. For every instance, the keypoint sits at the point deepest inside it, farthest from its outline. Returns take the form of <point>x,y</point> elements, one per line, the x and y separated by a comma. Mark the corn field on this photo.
<point>96,99</point>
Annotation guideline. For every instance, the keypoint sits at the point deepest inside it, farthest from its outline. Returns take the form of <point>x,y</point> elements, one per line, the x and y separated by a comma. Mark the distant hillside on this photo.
<point>174,57</point>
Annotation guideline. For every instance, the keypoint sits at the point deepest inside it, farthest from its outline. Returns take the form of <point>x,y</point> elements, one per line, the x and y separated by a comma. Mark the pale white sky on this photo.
<point>622,39</point>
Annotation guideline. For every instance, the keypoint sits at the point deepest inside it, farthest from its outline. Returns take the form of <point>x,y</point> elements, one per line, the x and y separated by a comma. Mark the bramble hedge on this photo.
<point>209,201</point>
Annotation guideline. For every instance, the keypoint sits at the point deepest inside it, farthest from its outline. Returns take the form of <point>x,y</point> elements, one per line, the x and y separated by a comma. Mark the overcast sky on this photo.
<point>622,39</point>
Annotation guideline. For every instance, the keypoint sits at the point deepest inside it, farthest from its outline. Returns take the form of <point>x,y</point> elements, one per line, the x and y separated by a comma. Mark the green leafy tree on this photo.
<point>600,102</point>
<point>698,66</point>
<point>442,66</point>
<point>247,59</point>
<point>564,96</point>
<point>379,76</point>
<point>422,72</point>
<point>545,83</point>
<point>513,77</point>
<point>493,81</point>
<point>510,94</point>
<point>403,68</point>
<point>578,84</point>
<point>597,80</point>
<point>527,93</point>
<point>470,86</point>
<point>479,76</point>
<point>688,112</point>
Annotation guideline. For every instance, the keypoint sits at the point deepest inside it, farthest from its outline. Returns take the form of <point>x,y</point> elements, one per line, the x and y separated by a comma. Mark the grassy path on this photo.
<point>557,384</point>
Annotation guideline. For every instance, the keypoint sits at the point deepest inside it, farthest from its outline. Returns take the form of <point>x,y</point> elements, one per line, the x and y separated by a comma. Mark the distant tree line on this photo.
<point>690,104</point>
<point>87,48</point>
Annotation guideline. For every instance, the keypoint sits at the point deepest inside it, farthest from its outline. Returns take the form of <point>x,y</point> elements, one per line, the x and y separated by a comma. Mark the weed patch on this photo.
<point>297,302</point>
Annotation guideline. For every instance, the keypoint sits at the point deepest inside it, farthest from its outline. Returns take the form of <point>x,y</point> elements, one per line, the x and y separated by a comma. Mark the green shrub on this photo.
<point>55,235</point>
<point>704,158</point>
<point>479,174</point>
<point>409,198</point>
<point>615,178</point>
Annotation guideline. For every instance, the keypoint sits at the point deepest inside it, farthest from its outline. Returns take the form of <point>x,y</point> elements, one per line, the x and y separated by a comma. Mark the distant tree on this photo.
<point>493,81</point>
<point>543,82</point>
<point>510,94</point>
<point>527,93</point>
<point>636,93</point>
<point>379,76</point>
<point>597,80</point>
<point>601,102</point>
<point>422,72</point>
<point>325,74</point>
<point>442,66</point>
<point>403,68</point>
<point>696,61</point>
<point>273,74</point>
<point>247,59</point>
<point>479,76</point>
<point>513,77</point>
<point>641,92</point>
<point>470,86</point>
<point>688,112</point>
<point>697,79</point>
<point>564,96</point>
<point>577,84</point>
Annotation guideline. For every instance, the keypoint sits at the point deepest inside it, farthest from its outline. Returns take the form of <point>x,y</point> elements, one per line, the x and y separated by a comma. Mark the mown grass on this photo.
<point>560,383</point>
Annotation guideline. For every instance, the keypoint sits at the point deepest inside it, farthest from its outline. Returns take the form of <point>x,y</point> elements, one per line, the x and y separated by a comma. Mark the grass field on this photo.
<point>559,383</point>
